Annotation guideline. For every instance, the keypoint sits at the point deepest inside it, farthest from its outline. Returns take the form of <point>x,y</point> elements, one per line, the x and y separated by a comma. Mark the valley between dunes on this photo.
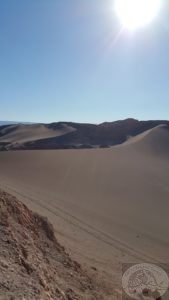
<point>108,206</point>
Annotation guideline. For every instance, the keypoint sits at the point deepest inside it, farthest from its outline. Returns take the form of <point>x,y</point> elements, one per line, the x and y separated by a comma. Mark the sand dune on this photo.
<point>22,133</point>
<point>153,141</point>
<point>110,204</point>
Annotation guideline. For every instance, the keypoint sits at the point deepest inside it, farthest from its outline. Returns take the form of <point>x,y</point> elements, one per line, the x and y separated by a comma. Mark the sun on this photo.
<point>136,13</point>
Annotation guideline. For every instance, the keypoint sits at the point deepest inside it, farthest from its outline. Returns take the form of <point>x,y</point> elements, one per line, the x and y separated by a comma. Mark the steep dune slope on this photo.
<point>154,141</point>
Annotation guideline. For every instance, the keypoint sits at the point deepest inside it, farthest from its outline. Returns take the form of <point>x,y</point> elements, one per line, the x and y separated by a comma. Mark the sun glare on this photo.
<point>136,13</point>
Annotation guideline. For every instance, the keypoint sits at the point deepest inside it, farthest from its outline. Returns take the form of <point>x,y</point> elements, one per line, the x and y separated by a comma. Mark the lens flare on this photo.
<point>136,13</point>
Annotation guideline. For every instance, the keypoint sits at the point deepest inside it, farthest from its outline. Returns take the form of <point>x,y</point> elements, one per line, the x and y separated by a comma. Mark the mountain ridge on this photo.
<point>70,135</point>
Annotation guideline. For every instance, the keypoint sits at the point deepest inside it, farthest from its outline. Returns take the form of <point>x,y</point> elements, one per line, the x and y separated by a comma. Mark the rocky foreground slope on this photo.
<point>33,265</point>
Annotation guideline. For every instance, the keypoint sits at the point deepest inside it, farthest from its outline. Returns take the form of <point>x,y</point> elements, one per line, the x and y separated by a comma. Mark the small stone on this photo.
<point>4,263</point>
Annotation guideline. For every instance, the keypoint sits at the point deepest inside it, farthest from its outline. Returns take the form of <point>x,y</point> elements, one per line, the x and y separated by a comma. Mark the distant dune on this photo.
<point>109,205</point>
<point>21,133</point>
<point>64,135</point>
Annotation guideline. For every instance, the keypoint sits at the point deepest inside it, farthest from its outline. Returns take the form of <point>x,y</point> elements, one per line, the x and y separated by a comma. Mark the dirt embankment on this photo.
<point>33,265</point>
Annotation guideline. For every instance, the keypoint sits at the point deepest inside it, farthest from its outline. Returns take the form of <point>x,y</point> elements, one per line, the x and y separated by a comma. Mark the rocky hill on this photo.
<point>33,265</point>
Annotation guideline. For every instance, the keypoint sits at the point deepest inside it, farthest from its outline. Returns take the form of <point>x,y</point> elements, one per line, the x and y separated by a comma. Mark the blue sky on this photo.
<point>61,60</point>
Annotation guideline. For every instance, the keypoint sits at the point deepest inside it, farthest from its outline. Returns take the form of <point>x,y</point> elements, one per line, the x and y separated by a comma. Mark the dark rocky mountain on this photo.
<point>79,135</point>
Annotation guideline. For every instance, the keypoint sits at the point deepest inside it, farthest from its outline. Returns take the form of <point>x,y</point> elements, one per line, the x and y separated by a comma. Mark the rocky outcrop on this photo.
<point>33,265</point>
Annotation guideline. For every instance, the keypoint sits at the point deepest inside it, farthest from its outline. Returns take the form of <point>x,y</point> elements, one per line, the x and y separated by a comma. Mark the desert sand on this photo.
<point>108,206</point>
<point>21,133</point>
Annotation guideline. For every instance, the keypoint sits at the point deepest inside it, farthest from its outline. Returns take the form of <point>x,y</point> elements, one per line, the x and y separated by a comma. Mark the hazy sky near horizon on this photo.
<point>65,60</point>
